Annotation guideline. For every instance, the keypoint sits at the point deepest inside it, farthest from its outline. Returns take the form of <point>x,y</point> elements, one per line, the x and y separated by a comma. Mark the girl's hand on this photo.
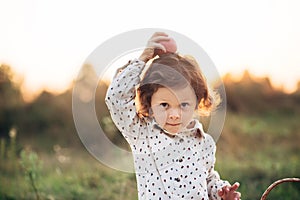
<point>153,44</point>
<point>230,193</point>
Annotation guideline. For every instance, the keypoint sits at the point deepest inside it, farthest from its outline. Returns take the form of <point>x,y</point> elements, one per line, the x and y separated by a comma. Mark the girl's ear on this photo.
<point>197,105</point>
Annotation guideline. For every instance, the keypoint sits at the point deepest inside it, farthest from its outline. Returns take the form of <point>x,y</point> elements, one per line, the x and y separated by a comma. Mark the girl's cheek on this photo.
<point>160,117</point>
<point>187,117</point>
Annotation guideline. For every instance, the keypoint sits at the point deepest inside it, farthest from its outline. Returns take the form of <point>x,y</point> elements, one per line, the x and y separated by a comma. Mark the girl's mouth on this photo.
<point>173,124</point>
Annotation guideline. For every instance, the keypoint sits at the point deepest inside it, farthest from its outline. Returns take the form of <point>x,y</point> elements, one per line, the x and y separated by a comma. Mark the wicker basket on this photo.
<point>273,185</point>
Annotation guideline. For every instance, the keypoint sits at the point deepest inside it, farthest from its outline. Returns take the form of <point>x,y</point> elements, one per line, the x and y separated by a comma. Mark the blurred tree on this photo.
<point>49,116</point>
<point>252,95</point>
<point>11,100</point>
<point>296,96</point>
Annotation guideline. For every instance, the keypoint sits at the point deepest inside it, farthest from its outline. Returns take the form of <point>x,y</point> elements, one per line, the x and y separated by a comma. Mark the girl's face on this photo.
<point>173,109</point>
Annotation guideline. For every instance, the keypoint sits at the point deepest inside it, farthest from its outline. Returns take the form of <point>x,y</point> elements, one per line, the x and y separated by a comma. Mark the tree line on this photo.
<point>50,115</point>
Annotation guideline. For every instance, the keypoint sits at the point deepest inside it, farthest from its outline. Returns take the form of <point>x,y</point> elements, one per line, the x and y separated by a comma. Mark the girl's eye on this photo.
<point>184,105</point>
<point>164,105</point>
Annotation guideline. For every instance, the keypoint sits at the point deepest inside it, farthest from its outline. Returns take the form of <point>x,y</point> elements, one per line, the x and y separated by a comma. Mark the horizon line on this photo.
<point>31,94</point>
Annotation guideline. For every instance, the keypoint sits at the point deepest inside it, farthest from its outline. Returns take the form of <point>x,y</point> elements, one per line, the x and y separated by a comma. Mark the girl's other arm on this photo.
<point>214,183</point>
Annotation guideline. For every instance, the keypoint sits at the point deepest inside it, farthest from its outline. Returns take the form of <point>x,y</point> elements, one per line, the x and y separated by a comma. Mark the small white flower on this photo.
<point>13,132</point>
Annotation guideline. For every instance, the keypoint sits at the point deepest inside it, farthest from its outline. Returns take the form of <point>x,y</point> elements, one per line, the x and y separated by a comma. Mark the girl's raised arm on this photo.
<point>120,96</point>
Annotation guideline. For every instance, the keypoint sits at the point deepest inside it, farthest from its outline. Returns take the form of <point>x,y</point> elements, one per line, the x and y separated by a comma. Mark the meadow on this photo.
<point>249,151</point>
<point>41,156</point>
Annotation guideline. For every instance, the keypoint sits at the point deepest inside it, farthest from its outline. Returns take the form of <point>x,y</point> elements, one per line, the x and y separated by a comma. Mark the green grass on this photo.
<point>253,150</point>
<point>258,150</point>
<point>81,177</point>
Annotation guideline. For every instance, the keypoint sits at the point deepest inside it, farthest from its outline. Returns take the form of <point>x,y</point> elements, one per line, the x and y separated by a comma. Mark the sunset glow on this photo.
<point>46,42</point>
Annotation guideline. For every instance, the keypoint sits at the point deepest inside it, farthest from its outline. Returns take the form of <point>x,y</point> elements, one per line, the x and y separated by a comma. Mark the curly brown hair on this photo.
<point>175,71</point>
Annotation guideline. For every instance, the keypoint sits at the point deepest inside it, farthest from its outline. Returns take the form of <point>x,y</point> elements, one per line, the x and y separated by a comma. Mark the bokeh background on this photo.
<point>43,44</point>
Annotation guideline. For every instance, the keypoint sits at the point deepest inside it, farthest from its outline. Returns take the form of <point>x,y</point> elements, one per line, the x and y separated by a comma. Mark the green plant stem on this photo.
<point>33,186</point>
<point>2,148</point>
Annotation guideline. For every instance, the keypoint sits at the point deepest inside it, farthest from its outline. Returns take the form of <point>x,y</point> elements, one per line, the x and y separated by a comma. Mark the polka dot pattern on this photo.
<point>167,167</point>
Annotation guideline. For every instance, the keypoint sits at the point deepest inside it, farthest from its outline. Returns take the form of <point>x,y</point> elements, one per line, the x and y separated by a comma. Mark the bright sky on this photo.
<point>48,41</point>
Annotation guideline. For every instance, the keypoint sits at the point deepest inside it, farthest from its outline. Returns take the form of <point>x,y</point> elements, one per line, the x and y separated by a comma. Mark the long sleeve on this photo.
<point>120,100</point>
<point>214,183</point>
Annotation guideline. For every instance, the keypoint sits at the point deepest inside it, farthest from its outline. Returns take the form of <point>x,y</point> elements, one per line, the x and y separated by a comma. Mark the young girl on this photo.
<point>173,157</point>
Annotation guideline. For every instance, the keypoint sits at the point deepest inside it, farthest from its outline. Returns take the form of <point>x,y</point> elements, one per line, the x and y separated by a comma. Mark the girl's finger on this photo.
<point>235,186</point>
<point>237,195</point>
<point>220,192</point>
<point>160,38</point>
<point>159,33</point>
<point>157,46</point>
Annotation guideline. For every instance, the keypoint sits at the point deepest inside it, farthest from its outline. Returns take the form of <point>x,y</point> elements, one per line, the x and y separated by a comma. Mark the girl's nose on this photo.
<point>174,114</point>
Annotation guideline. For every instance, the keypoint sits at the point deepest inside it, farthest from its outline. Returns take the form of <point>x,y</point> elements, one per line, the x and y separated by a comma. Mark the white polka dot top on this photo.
<point>167,167</point>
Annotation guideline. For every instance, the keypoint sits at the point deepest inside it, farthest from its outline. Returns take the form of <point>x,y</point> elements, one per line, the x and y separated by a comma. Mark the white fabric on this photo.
<point>167,167</point>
